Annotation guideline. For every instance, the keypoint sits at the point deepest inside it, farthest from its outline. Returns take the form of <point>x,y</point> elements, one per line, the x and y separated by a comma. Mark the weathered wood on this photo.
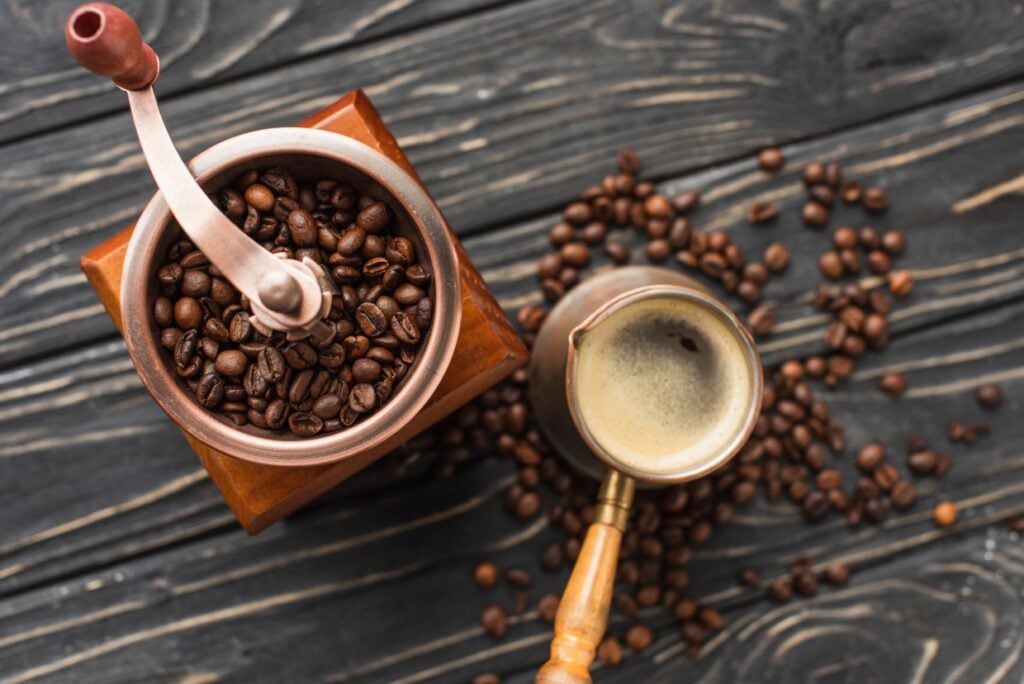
<point>487,351</point>
<point>200,44</point>
<point>296,602</point>
<point>687,83</point>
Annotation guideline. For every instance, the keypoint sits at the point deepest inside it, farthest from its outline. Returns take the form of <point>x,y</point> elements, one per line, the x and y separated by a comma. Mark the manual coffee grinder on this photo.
<point>264,476</point>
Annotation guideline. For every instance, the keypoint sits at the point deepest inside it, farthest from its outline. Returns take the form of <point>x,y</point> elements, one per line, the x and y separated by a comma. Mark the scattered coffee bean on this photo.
<point>494,620</point>
<point>814,215</point>
<point>762,212</point>
<point>771,159</point>
<point>609,652</point>
<point>837,574</point>
<point>945,514</point>
<point>875,199</point>
<point>989,395</point>
<point>487,678</point>
<point>639,638</point>
<point>893,384</point>
<point>486,574</point>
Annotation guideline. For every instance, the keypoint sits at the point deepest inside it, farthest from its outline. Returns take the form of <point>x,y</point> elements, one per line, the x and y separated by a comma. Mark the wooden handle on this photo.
<point>583,612</point>
<point>106,41</point>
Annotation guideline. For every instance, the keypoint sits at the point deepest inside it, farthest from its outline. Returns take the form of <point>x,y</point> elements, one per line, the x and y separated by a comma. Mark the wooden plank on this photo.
<point>687,84</point>
<point>95,566</point>
<point>200,44</point>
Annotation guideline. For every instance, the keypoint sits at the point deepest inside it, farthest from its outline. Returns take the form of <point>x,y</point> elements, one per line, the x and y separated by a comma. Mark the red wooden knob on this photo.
<point>105,40</point>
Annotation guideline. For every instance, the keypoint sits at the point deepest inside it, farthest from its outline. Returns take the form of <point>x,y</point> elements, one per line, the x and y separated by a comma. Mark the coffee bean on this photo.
<point>271,364</point>
<point>761,320</point>
<point>639,638</point>
<point>260,197</point>
<point>494,620</point>
<point>487,678</point>
<point>231,363</point>
<point>609,652</point>
<point>831,265</point>
<point>762,212</point>
<point>813,173</point>
<point>780,590</point>
<point>945,514</point>
<point>875,199</point>
<point>305,424</point>
<point>771,159</point>
<point>989,395</point>
<point>486,574</point>
<point>374,218</point>
<point>300,355</point>
<point>362,398</point>
<point>298,388</point>
<point>776,257</point>
<point>814,214</point>
<point>404,328</point>
<point>302,227</point>
<point>686,201</point>
<point>900,283</point>
<point>903,494</point>
<point>893,384</point>
<point>815,505</point>
<point>870,456</point>
<point>188,315</point>
<point>370,319</point>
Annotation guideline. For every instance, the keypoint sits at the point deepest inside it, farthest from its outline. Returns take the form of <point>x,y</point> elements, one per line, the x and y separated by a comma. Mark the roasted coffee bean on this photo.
<point>776,257</point>
<point>210,390</point>
<point>869,457</point>
<point>232,363</point>
<point>989,395</point>
<point>298,388</point>
<point>762,212</point>
<point>813,173</point>
<point>188,315</point>
<point>302,227</point>
<point>300,355</point>
<point>831,265</point>
<point>639,638</point>
<point>945,514</point>
<point>254,383</point>
<point>305,424</point>
<point>271,364</point>
<point>366,370</point>
<point>371,319</point>
<point>771,159</point>
<point>486,574</point>
<point>903,494</point>
<point>761,320</point>
<point>362,398</point>
<point>875,199</point>
<point>404,328</point>
<point>822,194</point>
<point>609,652</point>
<point>814,214</point>
<point>893,384</point>
<point>260,197</point>
<point>281,182</point>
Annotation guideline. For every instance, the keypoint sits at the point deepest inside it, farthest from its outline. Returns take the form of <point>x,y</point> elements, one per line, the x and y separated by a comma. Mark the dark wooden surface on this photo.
<point>118,560</point>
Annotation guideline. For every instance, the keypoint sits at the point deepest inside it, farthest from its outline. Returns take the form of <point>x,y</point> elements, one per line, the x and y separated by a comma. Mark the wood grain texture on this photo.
<point>505,111</point>
<point>126,553</point>
<point>200,42</point>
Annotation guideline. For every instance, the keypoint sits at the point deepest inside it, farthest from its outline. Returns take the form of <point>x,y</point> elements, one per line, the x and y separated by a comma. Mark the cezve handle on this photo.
<point>583,612</point>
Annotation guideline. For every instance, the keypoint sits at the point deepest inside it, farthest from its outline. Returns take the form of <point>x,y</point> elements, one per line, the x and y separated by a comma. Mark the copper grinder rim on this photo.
<point>751,358</point>
<point>423,378</point>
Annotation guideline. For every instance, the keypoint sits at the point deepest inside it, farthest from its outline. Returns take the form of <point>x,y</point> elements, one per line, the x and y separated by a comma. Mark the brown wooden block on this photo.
<point>488,350</point>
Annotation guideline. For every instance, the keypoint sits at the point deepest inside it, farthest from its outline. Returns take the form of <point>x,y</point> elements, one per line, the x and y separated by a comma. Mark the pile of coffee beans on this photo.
<point>790,454</point>
<point>380,316</point>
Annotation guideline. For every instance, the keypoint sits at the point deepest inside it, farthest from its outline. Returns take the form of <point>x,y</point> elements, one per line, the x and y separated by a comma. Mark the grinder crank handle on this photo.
<point>105,40</point>
<point>285,293</point>
<point>583,611</point>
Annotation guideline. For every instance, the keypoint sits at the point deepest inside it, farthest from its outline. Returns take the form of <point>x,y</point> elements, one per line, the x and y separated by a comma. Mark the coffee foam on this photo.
<point>662,384</point>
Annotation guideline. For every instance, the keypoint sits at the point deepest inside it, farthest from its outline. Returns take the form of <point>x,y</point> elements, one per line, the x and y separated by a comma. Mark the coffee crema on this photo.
<point>662,384</point>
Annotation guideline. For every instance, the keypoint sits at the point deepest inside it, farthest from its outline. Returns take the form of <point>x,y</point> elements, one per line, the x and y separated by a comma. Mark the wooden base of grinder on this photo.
<point>488,350</point>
